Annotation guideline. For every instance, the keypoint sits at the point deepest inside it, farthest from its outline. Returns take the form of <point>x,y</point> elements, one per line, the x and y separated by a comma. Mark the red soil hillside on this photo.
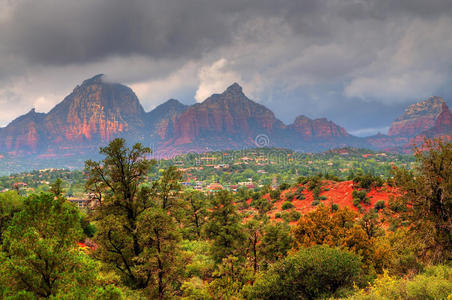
<point>339,193</point>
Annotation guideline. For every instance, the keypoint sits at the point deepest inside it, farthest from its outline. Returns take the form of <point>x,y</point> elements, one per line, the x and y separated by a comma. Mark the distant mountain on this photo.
<point>318,129</point>
<point>417,118</point>
<point>24,135</point>
<point>430,118</point>
<point>224,121</point>
<point>93,114</point>
<point>160,121</point>
<point>442,127</point>
<point>97,111</point>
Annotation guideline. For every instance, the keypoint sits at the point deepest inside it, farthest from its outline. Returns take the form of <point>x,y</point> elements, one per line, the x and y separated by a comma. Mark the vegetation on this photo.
<point>149,234</point>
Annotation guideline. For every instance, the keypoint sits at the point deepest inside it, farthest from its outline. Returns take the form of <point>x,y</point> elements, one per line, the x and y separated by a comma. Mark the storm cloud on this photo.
<point>357,62</point>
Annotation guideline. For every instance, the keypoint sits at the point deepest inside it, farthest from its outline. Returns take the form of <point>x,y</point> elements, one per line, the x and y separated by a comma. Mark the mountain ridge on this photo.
<point>97,111</point>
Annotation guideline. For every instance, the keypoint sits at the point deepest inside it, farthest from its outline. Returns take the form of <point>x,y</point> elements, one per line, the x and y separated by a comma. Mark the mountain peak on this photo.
<point>95,79</point>
<point>172,102</point>
<point>301,118</point>
<point>234,88</point>
<point>320,128</point>
<point>417,117</point>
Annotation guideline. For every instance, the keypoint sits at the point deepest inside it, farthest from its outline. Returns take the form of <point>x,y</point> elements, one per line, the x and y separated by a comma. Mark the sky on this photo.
<point>356,62</point>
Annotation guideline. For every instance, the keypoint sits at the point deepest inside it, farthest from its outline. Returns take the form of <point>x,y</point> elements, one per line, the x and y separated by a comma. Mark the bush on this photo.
<point>294,215</point>
<point>316,193</point>
<point>285,216</point>
<point>315,202</point>
<point>367,181</point>
<point>314,182</point>
<point>322,198</point>
<point>334,207</point>
<point>310,273</point>
<point>434,283</point>
<point>301,197</point>
<point>287,205</point>
<point>284,186</point>
<point>379,205</point>
<point>302,180</point>
<point>275,194</point>
<point>360,196</point>
<point>278,215</point>
<point>289,196</point>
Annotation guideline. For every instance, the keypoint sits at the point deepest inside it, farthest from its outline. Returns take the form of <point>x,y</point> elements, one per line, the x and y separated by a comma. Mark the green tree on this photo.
<point>160,238</point>
<point>56,187</point>
<point>10,204</point>
<point>224,227</point>
<point>168,188</point>
<point>427,200</point>
<point>128,238</point>
<point>195,213</point>
<point>41,257</point>
<point>276,242</point>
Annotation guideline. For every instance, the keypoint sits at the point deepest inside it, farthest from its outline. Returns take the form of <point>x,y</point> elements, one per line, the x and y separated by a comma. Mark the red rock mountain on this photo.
<point>224,121</point>
<point>441,129</point>
<point>161,120</point>
<point>417,118</point>
<point>318,129</point>
<point>24,135</point>
<point>94,113</point>
<point>431,118</point>
<point>98,111</point>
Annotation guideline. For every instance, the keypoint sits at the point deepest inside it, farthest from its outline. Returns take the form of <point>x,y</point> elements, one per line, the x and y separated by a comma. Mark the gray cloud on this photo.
<point>314,57</point>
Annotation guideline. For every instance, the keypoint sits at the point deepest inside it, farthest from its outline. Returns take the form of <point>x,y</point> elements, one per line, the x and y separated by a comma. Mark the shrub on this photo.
<point>360,196</point>
<point>314,182</point>
<point>379,205</point>
<point>334,207</point>
<point>285,216</point>
<point>322,198</point>
<point>278,215</point>
<point>302,180</point>
<point>315,202</point>
<point>275,194</point>
<point>434,283</point>
<point>289,196</point>
<point>287,205</point>
<point>301,197</point>
<point>367,181</point>
<point>310,273</point>
<point>294,215</point>
<point>284,186</point>
<point>316,193</point>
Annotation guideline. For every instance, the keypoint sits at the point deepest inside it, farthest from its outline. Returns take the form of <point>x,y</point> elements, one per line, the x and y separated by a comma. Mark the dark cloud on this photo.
<point>314,57</point>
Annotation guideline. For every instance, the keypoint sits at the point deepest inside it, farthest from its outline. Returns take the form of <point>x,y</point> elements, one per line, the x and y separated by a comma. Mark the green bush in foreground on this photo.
<point>313,272</point>
<point>434,283</point>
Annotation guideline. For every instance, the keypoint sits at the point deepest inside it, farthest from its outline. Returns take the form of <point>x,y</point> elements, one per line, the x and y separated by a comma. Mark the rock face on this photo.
<point>318,129</point>
<point>95,113</point>
<point>431,118</point>
<point>441,129</point>
<point>23,135</point>
<point>417,118</point>
<point>160,121</point>
<point>98,111</point>
<point>443,122</point>
<point>224,121</point>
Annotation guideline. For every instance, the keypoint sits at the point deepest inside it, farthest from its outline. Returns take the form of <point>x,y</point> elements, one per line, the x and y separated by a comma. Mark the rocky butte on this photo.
<point>98,111</point>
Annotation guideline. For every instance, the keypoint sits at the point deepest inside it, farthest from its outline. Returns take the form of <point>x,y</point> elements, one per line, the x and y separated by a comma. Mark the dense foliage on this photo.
<point>148,235</point>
